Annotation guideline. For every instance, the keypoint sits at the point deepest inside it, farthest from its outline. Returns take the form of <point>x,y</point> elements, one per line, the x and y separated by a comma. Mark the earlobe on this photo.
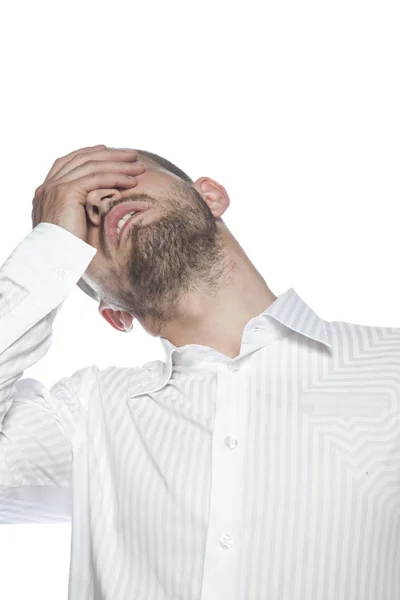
<point>127,321</point>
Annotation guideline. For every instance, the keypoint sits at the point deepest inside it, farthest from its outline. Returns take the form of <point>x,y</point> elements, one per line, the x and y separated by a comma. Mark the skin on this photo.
<point>180,272</point>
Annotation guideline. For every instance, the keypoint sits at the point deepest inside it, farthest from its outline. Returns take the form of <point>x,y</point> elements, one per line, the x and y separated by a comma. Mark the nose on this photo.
<point>97,203</point>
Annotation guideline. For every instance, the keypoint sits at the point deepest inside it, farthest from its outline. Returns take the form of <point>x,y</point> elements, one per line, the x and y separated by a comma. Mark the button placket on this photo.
<point>224,539</point>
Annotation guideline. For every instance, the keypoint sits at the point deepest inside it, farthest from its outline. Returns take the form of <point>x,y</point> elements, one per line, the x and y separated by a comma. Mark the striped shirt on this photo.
<point>271,476</point>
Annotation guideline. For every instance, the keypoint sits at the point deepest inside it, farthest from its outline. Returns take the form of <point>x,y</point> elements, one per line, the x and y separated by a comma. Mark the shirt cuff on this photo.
<point>48,262</point>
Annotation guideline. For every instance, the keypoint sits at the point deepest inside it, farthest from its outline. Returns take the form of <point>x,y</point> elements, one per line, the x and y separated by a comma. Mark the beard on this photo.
<point>171,257</point>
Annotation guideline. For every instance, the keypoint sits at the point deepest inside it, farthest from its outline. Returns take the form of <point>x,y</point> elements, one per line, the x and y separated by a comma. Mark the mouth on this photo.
<point>118,220</point>
<point>121,232</point>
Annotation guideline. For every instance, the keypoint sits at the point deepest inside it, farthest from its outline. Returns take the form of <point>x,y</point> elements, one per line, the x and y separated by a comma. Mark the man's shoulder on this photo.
<point>147,371</point>
<point>361,337</point>
<point>154,366</point>
<point>349,328</point>
<point>131,380</point>
<point>113,372</point>
<point>87,382</point>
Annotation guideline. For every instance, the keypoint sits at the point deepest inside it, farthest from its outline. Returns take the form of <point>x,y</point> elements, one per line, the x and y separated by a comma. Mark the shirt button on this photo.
<point>59,275</point>
<point>233,366</point>
<point>225,541</point>
<point>231,442</point>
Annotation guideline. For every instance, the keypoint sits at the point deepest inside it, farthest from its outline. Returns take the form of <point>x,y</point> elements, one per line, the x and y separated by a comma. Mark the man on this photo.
<point>259,460</point>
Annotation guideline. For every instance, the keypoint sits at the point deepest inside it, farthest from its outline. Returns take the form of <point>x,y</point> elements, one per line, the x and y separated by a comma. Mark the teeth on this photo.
<point>123,220</point>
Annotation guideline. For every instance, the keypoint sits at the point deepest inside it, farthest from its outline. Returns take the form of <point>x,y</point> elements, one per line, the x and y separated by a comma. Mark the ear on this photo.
<point>119,319</point>
<point>214,194</point>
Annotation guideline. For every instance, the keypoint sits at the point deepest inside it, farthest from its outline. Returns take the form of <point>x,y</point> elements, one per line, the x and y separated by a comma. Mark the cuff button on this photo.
<point>59,275</point>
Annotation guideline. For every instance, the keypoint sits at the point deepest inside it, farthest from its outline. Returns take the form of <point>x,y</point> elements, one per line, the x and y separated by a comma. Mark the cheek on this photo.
<point>93,236</point>
<point>97,269</point>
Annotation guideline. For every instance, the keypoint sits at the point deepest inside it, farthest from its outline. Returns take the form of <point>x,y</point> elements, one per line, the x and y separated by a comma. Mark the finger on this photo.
<point>64,159</point>
<point>96,181</point>
<point>100,155</point>
<point>92,167</point>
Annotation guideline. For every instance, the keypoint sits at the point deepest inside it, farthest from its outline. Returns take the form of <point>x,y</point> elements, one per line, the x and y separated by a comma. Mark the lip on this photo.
<point>127,225</point>
<point>116,214</point>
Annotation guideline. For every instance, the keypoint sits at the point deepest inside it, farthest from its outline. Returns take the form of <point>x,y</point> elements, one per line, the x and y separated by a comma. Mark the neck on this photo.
<point>216,319</point>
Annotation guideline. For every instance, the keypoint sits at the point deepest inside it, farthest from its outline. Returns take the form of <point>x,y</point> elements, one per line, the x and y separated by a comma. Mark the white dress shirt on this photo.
<point>271,476</point>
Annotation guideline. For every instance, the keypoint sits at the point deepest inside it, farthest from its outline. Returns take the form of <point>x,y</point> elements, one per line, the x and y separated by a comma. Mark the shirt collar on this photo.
<point>288,313</point>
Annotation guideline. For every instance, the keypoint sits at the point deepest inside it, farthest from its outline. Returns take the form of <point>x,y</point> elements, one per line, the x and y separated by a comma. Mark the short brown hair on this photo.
<point>166,164</point>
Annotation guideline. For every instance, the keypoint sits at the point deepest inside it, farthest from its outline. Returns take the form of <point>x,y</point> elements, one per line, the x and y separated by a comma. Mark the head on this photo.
<point>173,249</point>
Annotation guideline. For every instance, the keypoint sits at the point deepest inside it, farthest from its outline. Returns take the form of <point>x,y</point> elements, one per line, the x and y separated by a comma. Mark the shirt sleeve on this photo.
<point>36,423</point>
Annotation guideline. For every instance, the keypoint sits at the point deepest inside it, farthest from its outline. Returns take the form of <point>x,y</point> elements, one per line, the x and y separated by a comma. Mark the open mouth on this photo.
<point>119,220</point>
<point>125,223</point>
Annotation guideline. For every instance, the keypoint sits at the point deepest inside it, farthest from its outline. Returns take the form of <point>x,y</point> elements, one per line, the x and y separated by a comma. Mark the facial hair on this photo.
<point>177,254</point>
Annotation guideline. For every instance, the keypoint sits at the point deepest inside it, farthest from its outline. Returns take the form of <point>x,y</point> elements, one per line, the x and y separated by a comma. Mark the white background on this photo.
<point>292,106</point>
